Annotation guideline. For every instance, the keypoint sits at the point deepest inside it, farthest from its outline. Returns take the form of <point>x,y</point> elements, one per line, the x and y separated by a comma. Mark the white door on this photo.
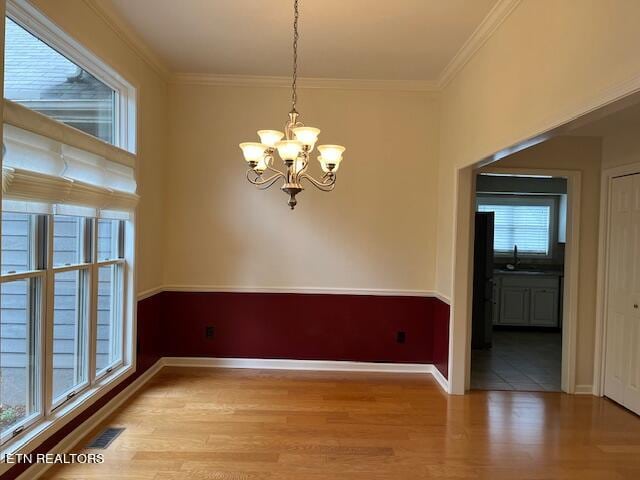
<point>622,362</point>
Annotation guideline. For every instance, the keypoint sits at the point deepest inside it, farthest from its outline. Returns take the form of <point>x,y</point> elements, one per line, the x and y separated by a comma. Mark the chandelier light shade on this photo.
<point>293,146</point>
<point>269,137</point>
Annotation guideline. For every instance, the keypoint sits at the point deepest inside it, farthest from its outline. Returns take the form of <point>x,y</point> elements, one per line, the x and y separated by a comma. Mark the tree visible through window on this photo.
<point>40,78</point>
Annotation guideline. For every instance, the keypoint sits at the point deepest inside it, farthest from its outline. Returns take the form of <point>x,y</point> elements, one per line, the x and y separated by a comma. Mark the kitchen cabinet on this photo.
<point>526,299</point>
<point>514,306</point>
<point>544,307</point>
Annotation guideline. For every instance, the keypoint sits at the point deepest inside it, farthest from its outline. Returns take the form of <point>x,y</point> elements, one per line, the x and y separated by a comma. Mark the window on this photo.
<point>20,355</point>
<point>82,249</point>
<point>523,222</point>
<point>109,337</point>
<point>70,307</point>
<point>68,200</point>
<point>17,242</point>
<point>21,320</point>
<point>70,333</point>
<point>109,251</point>
<point>47,71</point>
<point>40,78</point>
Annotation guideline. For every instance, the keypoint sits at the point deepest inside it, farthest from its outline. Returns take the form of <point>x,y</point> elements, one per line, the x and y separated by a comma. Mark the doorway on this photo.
<point>518,284</point>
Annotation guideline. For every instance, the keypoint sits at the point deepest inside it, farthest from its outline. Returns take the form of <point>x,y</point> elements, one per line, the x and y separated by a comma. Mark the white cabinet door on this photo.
<point>544,307</point>
<point>622,360</point>
<point>514,305</point>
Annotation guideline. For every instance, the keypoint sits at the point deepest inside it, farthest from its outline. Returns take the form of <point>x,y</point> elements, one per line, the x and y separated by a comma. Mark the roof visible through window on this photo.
<point>42,79</point>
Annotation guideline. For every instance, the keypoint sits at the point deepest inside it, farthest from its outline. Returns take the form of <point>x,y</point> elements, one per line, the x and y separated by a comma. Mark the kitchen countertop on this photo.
<point>555,273</point>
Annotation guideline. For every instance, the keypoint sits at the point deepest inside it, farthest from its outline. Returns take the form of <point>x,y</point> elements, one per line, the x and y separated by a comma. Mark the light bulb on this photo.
<point>252,151</point>
<point>331,155</point>
<point>289,149</point>
<point>325,165</point>
<point>261,166</point>
<point>307,135</point>
<point>298,165</point>
<point>270,137</point>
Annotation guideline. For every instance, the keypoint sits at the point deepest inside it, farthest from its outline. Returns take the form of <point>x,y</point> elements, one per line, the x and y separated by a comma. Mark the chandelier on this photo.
<point>294,150</point>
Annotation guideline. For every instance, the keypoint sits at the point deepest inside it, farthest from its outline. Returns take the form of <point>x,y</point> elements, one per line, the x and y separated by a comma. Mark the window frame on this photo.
<point>525,200</point>
<point>118,307</point>
<point>36,23</point>
<point>42,242</point>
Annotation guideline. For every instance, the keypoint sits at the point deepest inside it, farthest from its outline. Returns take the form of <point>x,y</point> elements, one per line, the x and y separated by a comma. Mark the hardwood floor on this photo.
<point>199,424</point>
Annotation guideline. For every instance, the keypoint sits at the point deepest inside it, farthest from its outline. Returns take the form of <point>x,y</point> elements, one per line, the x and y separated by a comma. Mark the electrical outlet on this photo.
<point>208,331</point>
<point>401,337</point>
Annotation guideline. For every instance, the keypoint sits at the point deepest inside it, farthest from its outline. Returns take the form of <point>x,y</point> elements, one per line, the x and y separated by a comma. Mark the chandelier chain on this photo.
<point>295,150</point>
<point>294,95</point>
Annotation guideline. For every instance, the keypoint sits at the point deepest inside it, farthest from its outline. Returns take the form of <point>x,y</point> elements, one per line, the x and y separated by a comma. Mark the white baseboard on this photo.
<point>443,382</point>
<point>317,365</point>
<point>583,390</point>
<point>283,364</point>
<point>71,440</point>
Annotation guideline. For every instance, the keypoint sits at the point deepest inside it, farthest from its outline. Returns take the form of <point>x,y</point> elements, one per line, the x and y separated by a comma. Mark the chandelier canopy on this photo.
<point>294,150</point>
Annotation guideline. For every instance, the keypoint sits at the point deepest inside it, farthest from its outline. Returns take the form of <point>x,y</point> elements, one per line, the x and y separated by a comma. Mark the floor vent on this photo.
<point>103,440</point>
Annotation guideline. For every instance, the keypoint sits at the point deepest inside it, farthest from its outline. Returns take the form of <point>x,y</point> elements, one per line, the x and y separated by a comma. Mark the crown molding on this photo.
<point>327,83</point>
<point>498,14</point>
<point>129,36</point>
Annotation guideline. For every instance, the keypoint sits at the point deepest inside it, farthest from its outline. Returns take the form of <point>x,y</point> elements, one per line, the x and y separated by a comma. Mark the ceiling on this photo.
<point>344,39</point>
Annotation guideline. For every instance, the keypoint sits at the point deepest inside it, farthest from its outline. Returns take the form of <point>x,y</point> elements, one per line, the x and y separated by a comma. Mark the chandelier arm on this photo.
<point>325,186</point>
<point>263,184</point>
<point>299,175</point>
<point>276,171</point>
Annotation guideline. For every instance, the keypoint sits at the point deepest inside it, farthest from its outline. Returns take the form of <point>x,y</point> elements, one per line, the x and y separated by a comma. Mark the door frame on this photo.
<point>603,271</point>
<point>460,361</point>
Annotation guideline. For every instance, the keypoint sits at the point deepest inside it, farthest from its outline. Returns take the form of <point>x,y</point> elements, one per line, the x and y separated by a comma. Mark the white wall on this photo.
<point>376,230</point>
<point>548,62</point>
<point>621,147</point>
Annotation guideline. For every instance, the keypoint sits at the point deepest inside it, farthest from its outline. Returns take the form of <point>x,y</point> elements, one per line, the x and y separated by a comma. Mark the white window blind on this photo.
<point>48,166</point>
<point>525,226</point>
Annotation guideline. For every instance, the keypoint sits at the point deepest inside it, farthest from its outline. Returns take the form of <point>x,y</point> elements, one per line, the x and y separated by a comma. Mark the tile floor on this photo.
<point>519,360</point>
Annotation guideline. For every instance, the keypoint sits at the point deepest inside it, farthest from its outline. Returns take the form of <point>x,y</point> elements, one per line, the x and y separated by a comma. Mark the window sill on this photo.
<point>45,428</point>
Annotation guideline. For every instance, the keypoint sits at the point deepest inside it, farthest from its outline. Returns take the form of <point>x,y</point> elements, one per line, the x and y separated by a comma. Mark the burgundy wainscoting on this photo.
<point>149,346</point>
<point>305,326</point>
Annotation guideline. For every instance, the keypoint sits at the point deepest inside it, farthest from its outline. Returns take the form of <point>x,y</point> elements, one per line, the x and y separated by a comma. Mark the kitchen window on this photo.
<point>523,222</point>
